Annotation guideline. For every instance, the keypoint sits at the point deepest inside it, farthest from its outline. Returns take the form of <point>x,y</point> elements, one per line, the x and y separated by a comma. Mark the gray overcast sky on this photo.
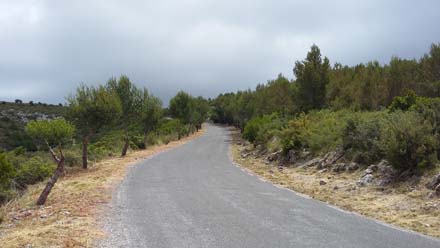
<point>201,46</point>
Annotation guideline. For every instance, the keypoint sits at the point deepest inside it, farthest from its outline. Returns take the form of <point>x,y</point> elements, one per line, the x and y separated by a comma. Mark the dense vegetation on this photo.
<point>368,112</point>
<point>97,122</point>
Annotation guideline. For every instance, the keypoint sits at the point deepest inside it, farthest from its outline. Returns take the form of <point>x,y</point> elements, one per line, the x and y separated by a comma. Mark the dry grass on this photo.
<point>69,218</point>
<point>402,205</point>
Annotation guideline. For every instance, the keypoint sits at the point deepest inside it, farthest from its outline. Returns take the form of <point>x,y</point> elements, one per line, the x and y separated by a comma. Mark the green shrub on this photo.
<point>32,171</point>
<point>72,158</point>
<point>291,137</point>
<point>7,171</point>
<point>403,102</point>
<point>319,131</point>
<point>252,128</point>
<point>408,142</point>
<point>361,137</point>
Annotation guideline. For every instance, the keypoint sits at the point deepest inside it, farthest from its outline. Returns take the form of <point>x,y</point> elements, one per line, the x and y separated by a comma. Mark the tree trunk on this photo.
<point>126,144</point>
<point>84,151</point>
<point>59,170</point>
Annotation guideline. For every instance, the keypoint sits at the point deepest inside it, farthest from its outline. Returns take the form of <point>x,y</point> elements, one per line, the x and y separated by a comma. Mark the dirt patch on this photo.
<point>404,204</point>
<point>78,200</point>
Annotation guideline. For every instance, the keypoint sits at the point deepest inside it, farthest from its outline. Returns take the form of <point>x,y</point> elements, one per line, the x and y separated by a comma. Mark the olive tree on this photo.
<point>91,109</point>
<point>53,133</point>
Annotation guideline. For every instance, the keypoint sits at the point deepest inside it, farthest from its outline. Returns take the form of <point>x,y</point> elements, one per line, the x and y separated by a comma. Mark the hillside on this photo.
<point>13,117</point>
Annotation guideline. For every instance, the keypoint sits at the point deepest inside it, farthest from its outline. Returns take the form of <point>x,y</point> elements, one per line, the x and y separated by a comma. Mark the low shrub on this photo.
<point>361,135</point>
<point>7,171</point>
<point>32,171</point>
<point>253,127</point>
<point>72,158</point>
<point>319,131</point>
<point>408,142</point>
<point>404,102</point>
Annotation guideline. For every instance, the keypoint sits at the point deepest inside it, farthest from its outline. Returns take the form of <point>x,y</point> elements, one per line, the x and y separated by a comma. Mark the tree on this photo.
<point>182,107</point>
<point>54,133</point>
<point>131,99</point>
<point>91,109</point>
<point>312,76</point>
<point>151,113</point>
<point>201,109</point>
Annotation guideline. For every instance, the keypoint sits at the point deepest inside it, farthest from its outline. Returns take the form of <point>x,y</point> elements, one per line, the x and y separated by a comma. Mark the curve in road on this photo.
<point>193,196</point>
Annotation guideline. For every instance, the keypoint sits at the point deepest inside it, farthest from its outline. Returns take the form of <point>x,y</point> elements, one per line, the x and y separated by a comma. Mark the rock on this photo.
<point>333,157</point>
<point>384,167</point>
<point>435,193</point>
<point>322,182</point>
<point>353,166</point>
<point>274,156</point>
<point>365,180</point>
<point>367,172</point>
<point>339,167</point>
<point>310,163</point>
<point>304,154</point>
<point>244,155</point>
<point>336,187</point>
<point>373,167</point>
<point>291,156</point>
<point>435,181</point>
<point>385,172</point>
<point>384,181</point>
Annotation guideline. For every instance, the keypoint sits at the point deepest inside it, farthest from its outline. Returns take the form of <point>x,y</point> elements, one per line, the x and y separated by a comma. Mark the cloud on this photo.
<point>201,46</point>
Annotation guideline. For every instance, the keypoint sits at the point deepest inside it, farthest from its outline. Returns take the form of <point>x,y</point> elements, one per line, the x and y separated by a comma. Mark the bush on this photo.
<point>291,138</point>
<point>408,142</point>
<point>72,158</point>
<point>319,131</point>
<point>252,128</point>
<point>250,131</point>
<point>32,171</point>
<point>7,171</point>
<point>361,135</point>
<point>403,102</point>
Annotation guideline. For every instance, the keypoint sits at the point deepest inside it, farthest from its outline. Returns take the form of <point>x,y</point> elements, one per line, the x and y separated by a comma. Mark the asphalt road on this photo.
<point>193,196</point>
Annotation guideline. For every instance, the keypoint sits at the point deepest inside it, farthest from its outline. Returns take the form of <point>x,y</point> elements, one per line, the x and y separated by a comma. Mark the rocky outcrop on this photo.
<point>24,117</point>
<point>434,184</point>
<point>435,181</point>
<point>274,156</point>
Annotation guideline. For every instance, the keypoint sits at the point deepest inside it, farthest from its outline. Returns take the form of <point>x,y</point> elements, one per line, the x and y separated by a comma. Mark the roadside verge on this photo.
<point>70,216</point>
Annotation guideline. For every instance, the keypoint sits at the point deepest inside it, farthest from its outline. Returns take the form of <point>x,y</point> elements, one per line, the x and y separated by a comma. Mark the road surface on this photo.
<point>193,196</point>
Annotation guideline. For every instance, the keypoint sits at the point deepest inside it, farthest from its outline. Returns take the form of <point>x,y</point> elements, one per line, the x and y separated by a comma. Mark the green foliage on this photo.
<point>403,102</point>
<point>52,132</point>
<point>32,171</point>
<point>151,112</point>
<point>253,127</point>
<point>91,109</point>
<point>262,129</point>
<point>361,137</point>
<point>312,76</point>
<point>181,107</point>
<point>408,141</point>
<point>7,171</point>
<point>72,157</point>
